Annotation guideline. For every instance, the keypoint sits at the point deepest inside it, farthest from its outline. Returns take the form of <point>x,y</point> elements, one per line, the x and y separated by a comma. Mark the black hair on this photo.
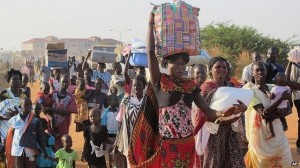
<point>103,64</point>
<point>214,60</point>
<point>173,58</point>
<point>275,49</point>
<point>65,76</point>
<point>141,79</point>
<point>11,73</point>
<point>258,63</point>
<point>139,67</point>
<point>97,110</point>
<point>255,52</point>
<point>99,80</point>
<point>113,97</point>
<point>73,76</point>
<point>114,65</point>
<point>89,70</point>
<point>44,83</point>
<point>80,79</point>
<point>199,66</point>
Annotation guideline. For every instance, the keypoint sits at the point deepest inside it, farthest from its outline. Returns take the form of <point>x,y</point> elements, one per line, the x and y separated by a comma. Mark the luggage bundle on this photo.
<point>176,29</point>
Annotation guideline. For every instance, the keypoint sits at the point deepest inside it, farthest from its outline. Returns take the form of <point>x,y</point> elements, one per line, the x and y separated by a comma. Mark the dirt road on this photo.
<point>78,137</point>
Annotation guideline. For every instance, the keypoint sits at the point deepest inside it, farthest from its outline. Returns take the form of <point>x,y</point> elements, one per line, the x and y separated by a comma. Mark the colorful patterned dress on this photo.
<point>163,134</point>
<point>83,112</point>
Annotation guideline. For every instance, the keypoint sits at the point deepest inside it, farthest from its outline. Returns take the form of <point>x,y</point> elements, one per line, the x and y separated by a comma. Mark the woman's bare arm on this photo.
<point>125,72</point>
<point>211,114</point>
<point>152,60</point>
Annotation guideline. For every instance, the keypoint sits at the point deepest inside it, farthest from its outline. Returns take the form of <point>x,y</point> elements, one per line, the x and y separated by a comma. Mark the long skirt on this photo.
<point>172,153</point>
<point>223,150</point>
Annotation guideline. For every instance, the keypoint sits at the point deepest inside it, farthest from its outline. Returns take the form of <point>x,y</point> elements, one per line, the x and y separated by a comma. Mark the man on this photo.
<point>45,72</point>
<point>73,64</point>
<point>30,67</point>
<point>80,67</point>
<point>272,66</point>
<point>247,72</point>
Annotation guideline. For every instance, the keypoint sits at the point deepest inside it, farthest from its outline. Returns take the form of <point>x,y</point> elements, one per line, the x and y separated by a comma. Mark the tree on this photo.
<point>234,40</point>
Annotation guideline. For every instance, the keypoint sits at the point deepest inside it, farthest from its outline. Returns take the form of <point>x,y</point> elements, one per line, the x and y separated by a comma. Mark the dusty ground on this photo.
<point>78,137</point>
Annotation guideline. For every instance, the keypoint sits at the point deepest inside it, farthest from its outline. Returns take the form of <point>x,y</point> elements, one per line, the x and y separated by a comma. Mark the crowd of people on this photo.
<point>148,121</point>
<point>114,112</point>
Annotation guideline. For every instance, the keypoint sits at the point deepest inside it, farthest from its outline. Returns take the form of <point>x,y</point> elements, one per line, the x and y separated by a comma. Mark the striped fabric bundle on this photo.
<point>176,29</point>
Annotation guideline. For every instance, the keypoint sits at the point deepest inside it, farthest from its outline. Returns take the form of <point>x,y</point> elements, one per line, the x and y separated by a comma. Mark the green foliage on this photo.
<point>233,39</point>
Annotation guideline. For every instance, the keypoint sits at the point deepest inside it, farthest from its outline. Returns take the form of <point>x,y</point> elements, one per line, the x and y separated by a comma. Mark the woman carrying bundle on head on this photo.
<point>163,135</point>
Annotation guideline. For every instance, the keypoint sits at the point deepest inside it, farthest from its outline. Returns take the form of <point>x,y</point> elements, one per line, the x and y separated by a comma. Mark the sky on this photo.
<point>22,20</point>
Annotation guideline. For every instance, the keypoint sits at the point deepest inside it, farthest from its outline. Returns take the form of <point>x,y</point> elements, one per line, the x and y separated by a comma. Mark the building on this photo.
<point>78,47</point>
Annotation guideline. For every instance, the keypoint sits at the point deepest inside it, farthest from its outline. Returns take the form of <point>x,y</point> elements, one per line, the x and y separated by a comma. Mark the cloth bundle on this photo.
<point>294,55</point>
<point>176,29</point>
<point>223,98</point>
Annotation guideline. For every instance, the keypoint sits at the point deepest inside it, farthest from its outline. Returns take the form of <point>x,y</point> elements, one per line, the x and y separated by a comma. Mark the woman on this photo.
<point>163,133</point>
<point>223,149</point>
<point>274,152</point>
<point>10,99</point>
<point>128,113</point>
<point>64,104</point>
<point>89,84</point>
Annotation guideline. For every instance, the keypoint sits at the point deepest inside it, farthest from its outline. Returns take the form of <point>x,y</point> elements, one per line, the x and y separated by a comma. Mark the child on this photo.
<point>96,98</point>
<point>118,79</point>
<point>199,73</point>
<point>73,85</point>
<point>108,119</point>
<point>28,133</point>
<point>88,73</point>
<point>113,91</point>
<point>65,156</point>
<point>63,106</point>
<point>274,94</point>
<point>37,109</point>
<point>27,90</point>
<point>94,145</point>
<point>45,99</point>
<point>82,118</point>
<point>41,161</point>
<point>127,115</point>
<point>138,71</point>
